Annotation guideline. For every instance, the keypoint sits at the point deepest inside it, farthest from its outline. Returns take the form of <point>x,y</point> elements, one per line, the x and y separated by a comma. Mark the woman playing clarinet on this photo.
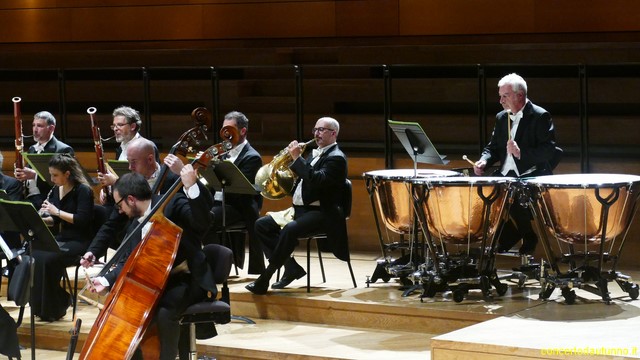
<point>68,210</point>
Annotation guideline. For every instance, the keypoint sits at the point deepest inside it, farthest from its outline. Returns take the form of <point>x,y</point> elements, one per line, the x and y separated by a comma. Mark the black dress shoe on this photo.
<point>287,278</point>
<point>258,287</point>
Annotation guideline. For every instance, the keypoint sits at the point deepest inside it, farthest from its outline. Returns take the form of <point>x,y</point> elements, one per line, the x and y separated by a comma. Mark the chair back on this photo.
<point>347,198</point>
<point>220,260</point>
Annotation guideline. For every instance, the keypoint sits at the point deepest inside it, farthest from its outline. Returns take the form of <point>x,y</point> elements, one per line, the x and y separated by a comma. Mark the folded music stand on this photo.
<point>417,144</point>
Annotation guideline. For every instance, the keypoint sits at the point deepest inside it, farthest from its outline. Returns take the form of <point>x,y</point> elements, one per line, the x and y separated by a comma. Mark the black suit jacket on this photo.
<point>535,136</point>
<point>324,181</point>
<point>53,146</point>
<point>192,215</point>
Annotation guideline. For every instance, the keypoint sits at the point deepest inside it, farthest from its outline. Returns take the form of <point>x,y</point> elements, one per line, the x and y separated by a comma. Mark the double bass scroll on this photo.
<point>190,142</point>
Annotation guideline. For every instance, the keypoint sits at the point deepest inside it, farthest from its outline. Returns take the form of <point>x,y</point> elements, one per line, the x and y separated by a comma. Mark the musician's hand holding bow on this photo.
<point>513,149</point>
<point>88,259</point>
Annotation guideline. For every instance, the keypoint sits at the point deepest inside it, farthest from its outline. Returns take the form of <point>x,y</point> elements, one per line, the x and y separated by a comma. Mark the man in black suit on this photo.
<point>44,124</point>
<point>317,197</point>
<point>241,207</point>
<point>526,151</point>
<point>191,276</point>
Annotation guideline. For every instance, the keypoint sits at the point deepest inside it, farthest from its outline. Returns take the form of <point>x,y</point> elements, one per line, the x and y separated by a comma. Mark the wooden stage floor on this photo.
<point>336,321</point>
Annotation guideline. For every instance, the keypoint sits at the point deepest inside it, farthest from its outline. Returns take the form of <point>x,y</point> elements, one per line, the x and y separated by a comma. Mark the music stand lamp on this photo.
<point>22,217</point>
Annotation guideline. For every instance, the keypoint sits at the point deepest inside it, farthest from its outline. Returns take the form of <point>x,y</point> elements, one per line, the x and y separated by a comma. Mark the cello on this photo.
<point>131,303</point>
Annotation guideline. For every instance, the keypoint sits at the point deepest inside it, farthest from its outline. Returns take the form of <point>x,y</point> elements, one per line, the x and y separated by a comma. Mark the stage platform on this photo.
<point>336,321</point>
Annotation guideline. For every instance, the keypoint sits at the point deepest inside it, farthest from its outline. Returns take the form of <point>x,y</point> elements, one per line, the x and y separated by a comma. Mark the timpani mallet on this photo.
<point>464,157</point>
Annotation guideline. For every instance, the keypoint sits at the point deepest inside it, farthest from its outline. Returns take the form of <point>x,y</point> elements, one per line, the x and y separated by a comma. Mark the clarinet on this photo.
<point>43,213</point>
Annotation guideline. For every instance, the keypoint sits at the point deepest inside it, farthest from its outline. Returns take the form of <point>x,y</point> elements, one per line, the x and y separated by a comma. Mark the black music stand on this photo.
<point>226,177</point>
<point>22,217</point>
<point>40,163</point>
<point>417,144</point>
<point>119,167</point>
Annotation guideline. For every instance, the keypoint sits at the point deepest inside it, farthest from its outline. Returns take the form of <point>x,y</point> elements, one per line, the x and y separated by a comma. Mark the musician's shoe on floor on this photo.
<point>258,287</point>
<point>289,275</point>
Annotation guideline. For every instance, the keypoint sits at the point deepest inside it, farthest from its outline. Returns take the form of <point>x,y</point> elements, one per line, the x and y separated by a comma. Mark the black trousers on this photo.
<point>279,244</point>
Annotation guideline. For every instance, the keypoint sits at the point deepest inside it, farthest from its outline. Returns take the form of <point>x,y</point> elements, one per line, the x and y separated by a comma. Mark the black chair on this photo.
<point>199,319</point>
<point>346,208</point>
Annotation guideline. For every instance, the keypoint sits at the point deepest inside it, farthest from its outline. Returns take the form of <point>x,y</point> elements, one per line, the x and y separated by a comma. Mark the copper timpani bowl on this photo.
<point>582,208</point>
<point>393,197</point>
<point>463,210</point>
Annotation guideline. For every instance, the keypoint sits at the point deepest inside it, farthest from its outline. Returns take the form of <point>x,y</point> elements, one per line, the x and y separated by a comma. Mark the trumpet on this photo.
<point>275,179</point>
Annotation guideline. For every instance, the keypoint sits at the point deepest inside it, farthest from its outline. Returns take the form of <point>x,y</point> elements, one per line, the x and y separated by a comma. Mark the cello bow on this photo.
<point>130,305</point>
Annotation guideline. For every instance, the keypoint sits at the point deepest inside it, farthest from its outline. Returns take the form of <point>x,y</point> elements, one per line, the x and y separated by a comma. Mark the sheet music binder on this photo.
<point>416,143</point>
<point>21,216</point>
<point>119,167</point>
<point>234,180</point>
<point>40,163</point>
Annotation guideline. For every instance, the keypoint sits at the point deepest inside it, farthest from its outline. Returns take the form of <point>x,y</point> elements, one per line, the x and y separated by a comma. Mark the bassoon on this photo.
<point>97,145</point>
<point>17,118</point>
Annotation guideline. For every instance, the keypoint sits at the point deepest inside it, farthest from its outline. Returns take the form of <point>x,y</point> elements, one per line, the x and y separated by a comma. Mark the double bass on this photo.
<point>131,303</point>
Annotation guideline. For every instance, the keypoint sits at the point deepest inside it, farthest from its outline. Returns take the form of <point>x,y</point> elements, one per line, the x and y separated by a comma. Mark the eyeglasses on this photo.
<point>118,206</point>
<point>114,126</point>
<point>320,130</point>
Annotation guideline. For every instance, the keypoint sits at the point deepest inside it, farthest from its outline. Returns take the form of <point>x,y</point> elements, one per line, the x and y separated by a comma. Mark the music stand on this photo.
<point>226,177</point>
<point>22,217</point>
<point>40,163</point>
<point>119,167</point>
<point>417,144</point>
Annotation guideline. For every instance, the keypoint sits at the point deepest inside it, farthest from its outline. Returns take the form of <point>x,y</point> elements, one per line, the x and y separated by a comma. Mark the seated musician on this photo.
<point>525,151</point>
<point>316,203</point>
<point>241,207</point>
<point>69,211</point>
<point>126,127</point>
<point>44,124</point>
<point>191,276</point>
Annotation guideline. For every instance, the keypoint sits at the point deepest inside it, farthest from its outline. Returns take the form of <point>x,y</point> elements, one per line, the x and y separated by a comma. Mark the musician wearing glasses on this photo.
<point>44,124</point>
<point>191,276</point>
<point>317,196</point>
<point>126,128</point>
<point>523,141</point>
